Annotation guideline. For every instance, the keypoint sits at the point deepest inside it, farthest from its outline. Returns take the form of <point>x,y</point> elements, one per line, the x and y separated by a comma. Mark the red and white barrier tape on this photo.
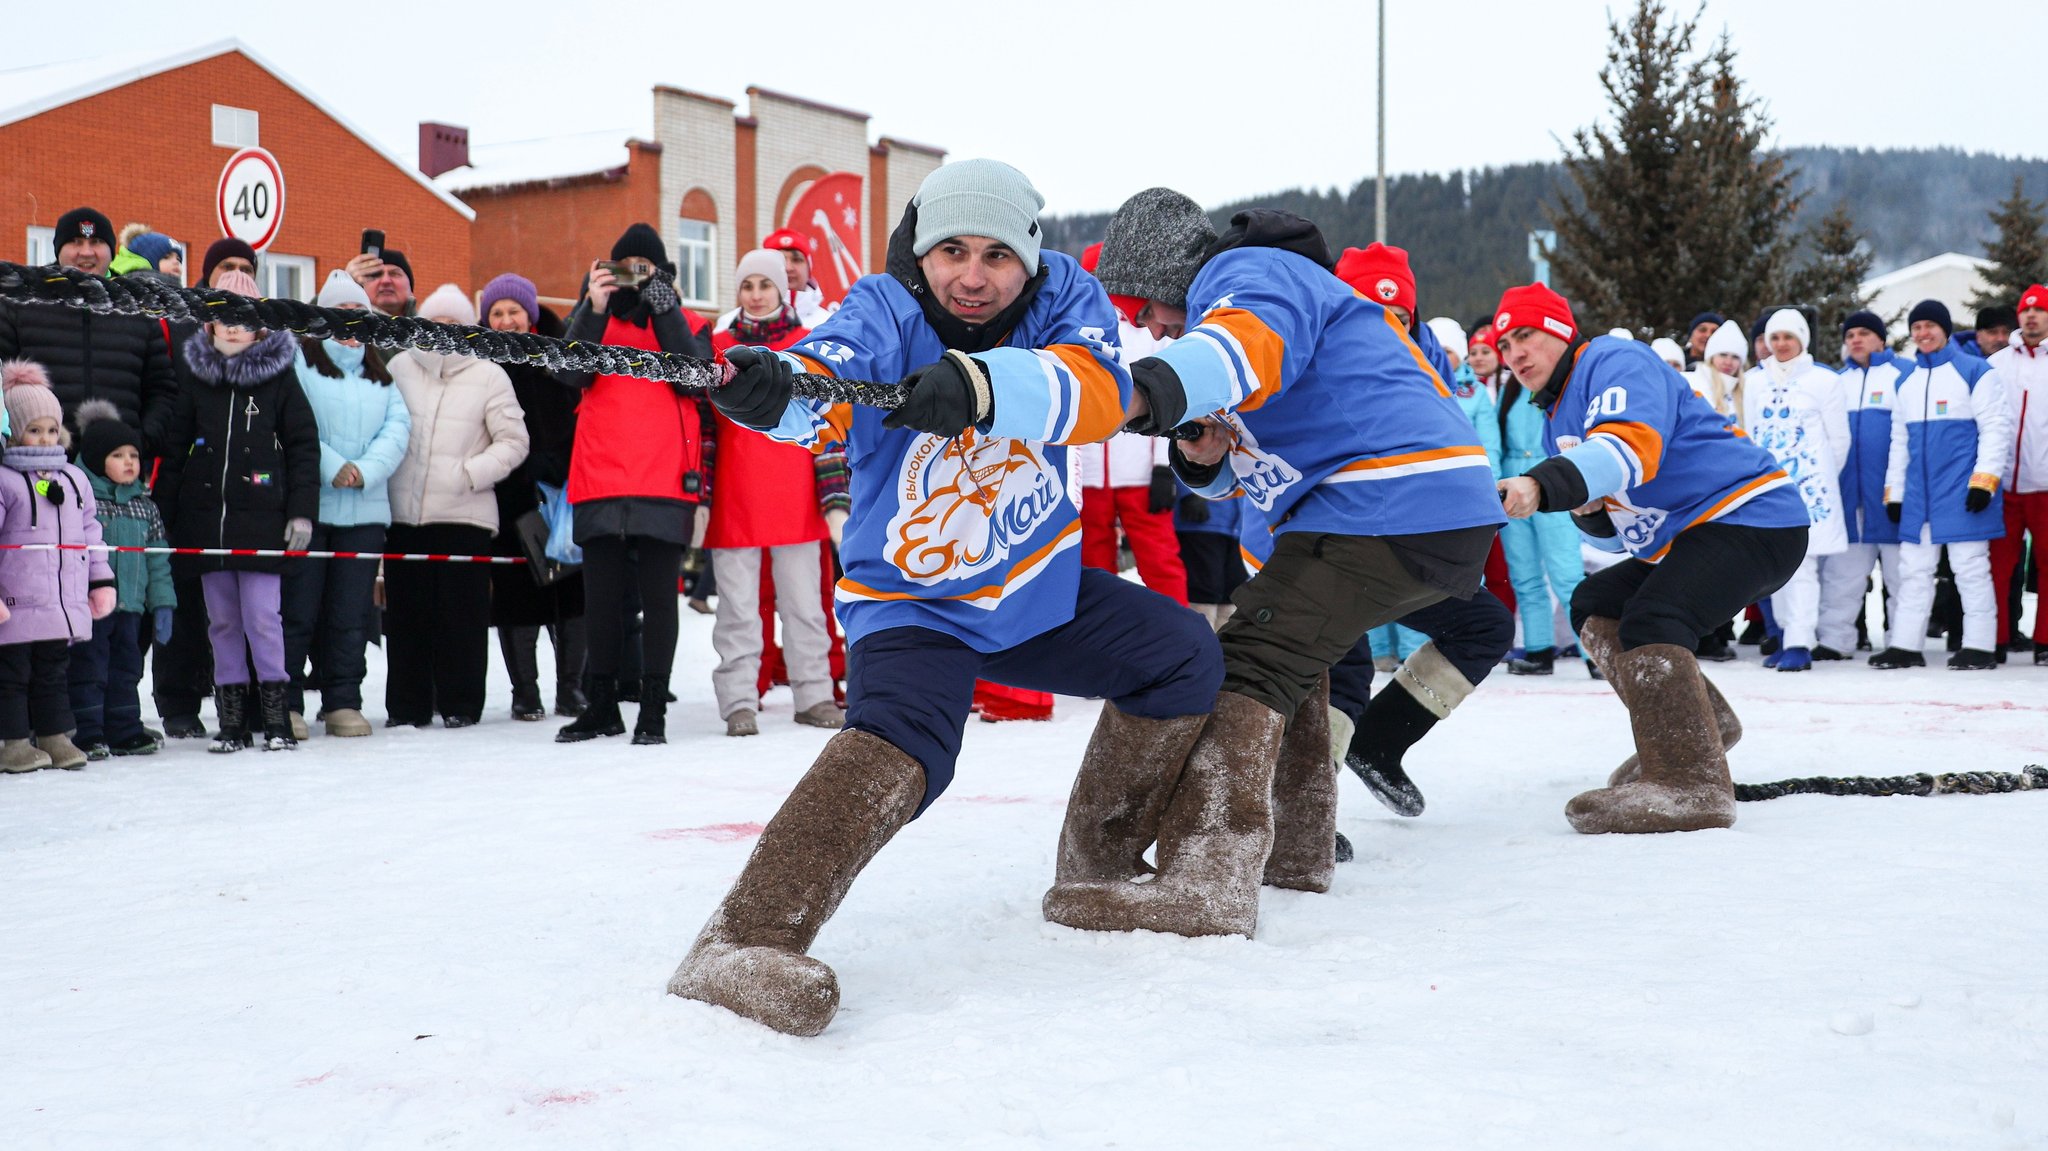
<point>269,553</point>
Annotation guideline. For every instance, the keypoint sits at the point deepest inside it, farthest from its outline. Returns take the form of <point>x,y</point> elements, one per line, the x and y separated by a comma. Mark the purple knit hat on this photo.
<point>516,288</point>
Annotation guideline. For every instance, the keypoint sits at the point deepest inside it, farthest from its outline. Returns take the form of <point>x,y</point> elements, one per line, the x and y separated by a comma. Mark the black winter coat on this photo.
<point>124,360</point>
<point>253,458</point>
<point>516,600</point>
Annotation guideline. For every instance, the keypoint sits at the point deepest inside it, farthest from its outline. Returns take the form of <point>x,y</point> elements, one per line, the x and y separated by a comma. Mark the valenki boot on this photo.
<point>18,756</point>
<point>1305,800</point>
<point>749,959</point>
<point>1127,775</point>
<point>1684,785</point>
<point>1213,838</point>
<point>1600,638</point>
<point>62,752</point>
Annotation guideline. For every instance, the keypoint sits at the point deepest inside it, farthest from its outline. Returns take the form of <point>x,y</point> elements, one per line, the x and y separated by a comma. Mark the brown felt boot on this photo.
<point>1304,856</point>
<point>1127,775</point>
<point>1684,784</point>
<point>1600,639</point>
<point>1213,838</point>
<point>749,959</point>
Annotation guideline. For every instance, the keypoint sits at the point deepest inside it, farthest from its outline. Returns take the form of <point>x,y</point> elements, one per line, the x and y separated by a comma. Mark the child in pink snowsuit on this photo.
<point>48,598</point>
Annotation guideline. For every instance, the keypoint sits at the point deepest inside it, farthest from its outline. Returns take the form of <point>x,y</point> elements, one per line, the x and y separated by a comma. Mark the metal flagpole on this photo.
<point>1379,196</point>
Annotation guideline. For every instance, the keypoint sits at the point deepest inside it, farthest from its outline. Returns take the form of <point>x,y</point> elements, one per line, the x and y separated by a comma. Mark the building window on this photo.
<point>42,246</point>
<point>285,277</point>
<point>233,127</point>
<point>696,263</point>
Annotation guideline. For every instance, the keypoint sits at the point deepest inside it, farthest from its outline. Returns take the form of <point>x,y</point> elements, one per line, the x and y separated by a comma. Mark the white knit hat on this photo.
<point>979,198</point>
<point>1728,340</point>
<point>1789,320</point>
<point>1449,334</point>
<point>341,290</point>
<point>1667,349</point>
<point>763,262</point>
<point>450,302</point>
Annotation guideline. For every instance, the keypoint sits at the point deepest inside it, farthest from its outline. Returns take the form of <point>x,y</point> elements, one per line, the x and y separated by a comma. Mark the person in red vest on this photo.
<point>767,516</point>
<point>636,479</point>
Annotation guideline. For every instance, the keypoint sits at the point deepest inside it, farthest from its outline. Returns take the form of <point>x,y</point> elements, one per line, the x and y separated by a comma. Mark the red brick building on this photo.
<point>145,140</point>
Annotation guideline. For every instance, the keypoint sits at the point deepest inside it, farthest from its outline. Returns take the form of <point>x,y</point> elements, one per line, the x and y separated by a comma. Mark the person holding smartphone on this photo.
<point>385,274</point>
<point>637,477</point>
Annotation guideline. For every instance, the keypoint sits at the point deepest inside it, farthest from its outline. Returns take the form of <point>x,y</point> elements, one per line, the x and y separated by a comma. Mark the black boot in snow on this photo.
<point>601,717</point>
<point>652,725</point>
<point>1392,722</point>
<point>231,702</point>
<point>277,716</point>
<point>1535,661</point>
<point>570,656</point>
<point>523,664</point>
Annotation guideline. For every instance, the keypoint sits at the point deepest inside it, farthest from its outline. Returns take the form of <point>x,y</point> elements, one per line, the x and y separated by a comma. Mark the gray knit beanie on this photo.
<point>1154,247</point>
<point>979,198</point>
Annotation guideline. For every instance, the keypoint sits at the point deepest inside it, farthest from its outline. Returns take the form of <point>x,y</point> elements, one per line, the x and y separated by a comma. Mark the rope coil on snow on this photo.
<point>2033,777</point>
<point>52,285</point>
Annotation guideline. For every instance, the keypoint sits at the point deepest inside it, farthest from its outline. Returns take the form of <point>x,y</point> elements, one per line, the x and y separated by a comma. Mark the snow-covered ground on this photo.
<point>460,938</point>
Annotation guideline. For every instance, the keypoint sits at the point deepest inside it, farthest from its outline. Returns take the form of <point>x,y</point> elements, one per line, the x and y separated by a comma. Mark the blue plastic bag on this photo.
<point>561,519</point>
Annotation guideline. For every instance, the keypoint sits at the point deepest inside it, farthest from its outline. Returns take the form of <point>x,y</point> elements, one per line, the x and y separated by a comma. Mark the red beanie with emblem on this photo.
<point>1381,272</point>
<point>788,238</point>
<point>1535,306</point>
<point>2034,297</point>
<point>1130,306</point>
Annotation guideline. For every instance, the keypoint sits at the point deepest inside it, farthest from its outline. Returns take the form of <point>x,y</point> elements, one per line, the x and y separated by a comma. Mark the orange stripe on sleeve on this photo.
<point>1412,458</point>
<point>1098,400</point>
<point>1642,439</point>
<point>1414,351</point>
<point>1264,351</point>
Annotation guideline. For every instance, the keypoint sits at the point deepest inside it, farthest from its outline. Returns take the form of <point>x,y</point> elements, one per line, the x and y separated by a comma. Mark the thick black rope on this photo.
<point>148,296</point>
<point>2030,778</point>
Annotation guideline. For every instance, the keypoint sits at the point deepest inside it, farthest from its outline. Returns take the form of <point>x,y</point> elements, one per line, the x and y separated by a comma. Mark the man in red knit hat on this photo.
<point>1709,519</point>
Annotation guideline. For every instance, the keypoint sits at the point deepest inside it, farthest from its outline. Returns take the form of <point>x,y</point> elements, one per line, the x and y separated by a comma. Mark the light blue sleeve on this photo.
<point>1256,335</point>
<point>388,447</point>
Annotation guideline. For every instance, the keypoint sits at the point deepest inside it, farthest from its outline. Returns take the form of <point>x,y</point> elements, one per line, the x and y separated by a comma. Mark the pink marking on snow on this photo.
<point>715,832</point>
<point>566,1097</point>
<point>322,1078</point>
<point>990,798</point>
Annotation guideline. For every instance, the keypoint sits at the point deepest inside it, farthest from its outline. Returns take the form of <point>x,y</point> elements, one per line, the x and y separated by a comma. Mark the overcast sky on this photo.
<point>1219,100</point>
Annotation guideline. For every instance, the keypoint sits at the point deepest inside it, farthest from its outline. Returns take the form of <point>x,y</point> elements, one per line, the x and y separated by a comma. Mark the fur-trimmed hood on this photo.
<point>265,358</point>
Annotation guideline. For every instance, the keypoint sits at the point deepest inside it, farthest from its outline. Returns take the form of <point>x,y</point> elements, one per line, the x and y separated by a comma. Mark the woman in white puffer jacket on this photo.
<point>468,433</point>
<point>1795,409</point>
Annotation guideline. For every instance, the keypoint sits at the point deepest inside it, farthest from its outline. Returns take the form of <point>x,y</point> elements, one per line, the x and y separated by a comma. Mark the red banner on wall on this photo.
<point>828,214</point>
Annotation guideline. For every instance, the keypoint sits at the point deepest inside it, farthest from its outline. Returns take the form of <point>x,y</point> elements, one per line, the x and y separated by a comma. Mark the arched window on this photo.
<point>697,255</point>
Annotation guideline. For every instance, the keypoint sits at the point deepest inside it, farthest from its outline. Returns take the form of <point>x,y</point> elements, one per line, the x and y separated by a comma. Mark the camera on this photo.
<point>626,274</point>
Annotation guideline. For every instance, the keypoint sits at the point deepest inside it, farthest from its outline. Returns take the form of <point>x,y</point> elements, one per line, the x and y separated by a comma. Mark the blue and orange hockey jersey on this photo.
<point>1341,423</point>
<point>1659,453</point>
<point>977,535</point>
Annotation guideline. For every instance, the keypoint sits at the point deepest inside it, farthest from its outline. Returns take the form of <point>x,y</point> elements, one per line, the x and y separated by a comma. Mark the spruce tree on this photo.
<point>1678,206</point>
<point>1831,281</point>
<point>2019,256</point>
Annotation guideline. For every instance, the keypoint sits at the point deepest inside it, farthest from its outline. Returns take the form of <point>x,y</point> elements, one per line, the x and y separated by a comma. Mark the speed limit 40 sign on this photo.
<point>250,202</point>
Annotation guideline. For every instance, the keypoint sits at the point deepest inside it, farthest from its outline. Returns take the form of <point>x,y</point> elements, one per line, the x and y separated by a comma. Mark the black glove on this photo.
<point>658,292</point>
<point>759,391</point>
<point>1894,511</point>
<point>1194,509</point>
<point>1163,492</point>
<point>1977,499</point>
<point>944,398</point>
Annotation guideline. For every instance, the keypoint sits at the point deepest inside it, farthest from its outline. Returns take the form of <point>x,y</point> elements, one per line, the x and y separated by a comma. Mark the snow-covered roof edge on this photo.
<point>119,77</point>
<point>1931,263</point>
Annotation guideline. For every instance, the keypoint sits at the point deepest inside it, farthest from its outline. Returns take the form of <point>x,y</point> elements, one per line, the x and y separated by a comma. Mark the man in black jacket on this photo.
<point>125,360</point>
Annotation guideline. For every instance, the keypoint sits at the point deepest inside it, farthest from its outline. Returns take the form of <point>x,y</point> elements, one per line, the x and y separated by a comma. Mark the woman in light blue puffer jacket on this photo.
<point>329,605</point>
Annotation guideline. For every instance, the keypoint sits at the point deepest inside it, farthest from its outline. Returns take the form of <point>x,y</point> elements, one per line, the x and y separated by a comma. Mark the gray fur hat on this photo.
<point>1154,247</point>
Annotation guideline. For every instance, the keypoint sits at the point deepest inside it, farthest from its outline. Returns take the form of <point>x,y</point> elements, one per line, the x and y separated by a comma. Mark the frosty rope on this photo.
<point>269,553</point>
<point>2030,778</point>
<point>50,284</point>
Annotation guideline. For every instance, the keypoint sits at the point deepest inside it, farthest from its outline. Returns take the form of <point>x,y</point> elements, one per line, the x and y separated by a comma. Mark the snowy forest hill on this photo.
<point>1467,231</point>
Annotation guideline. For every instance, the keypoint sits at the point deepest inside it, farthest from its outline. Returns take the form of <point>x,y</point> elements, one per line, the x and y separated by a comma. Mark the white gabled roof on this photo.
<point>31,91</point>
<point>1947,261</point>
<point>546,158</point>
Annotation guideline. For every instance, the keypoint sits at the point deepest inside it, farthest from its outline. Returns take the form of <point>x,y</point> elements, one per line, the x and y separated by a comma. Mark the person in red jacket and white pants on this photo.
<point>2023,364</point>
<point>765,507</point>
